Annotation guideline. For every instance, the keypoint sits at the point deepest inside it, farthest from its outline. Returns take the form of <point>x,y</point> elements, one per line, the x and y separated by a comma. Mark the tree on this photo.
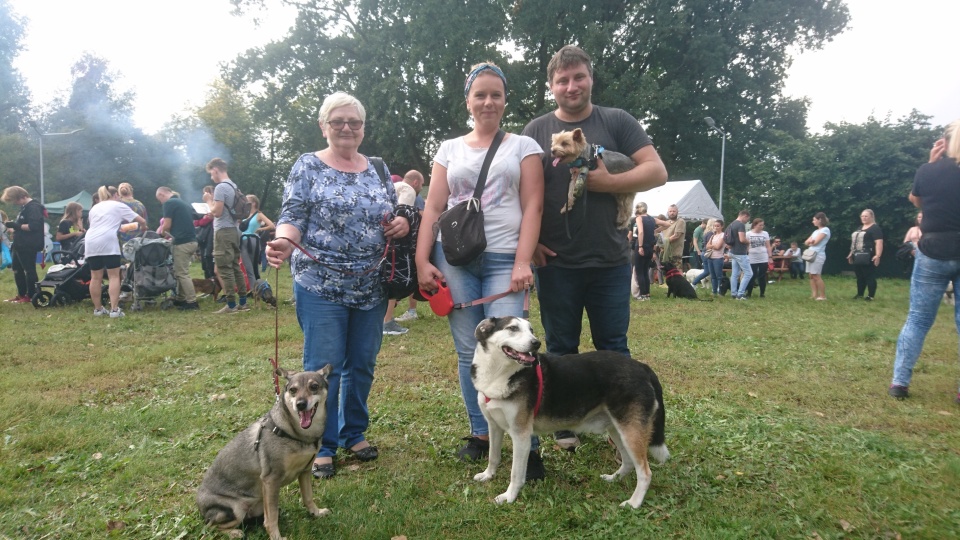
<point>841,172</point>
<point>14,97</point>
<point>110,149</point>
<point>668,63</point>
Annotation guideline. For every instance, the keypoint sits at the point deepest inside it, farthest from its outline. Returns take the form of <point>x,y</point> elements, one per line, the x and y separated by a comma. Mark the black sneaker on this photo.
<point>897,391</point>
<point>188,306</point>
<point>475,449</point>
<point>868,298</point>
<point>178,303</point>
<point>535,470</point>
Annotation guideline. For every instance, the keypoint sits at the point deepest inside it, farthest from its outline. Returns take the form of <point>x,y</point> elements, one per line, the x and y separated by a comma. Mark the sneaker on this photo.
<point>101,311</point>
<point>226,310</point>
<point>243,307</point>
<point>743,298</point>
<point>475,449</point>
<point>178,303</point>
<point>14,299</point>
<point>897,391</point>
<point>393,329</point>
<point>188,306</point>
<point>409,315</point>
<point>567,440</point>
<point>25,299</point>
<point>117,313</point>
<point>868,298</point>
<point>535,470</point>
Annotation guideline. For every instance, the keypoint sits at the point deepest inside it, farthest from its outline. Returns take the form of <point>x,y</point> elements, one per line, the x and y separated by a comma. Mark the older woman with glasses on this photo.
<point>339,208</point>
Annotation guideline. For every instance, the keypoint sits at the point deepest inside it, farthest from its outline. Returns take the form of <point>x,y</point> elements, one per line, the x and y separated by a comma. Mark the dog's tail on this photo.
<point>658,446</point>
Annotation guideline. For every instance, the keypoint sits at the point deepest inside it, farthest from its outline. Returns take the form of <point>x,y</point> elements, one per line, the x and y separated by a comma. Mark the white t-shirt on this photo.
<point>822,246</point>
<point>758,253</point>
<point>105,220</point>
<point>500,201</point>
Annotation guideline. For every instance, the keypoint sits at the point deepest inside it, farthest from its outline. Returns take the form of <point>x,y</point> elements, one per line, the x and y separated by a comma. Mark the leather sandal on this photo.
<point>369,453</point>
<point>325,471</point>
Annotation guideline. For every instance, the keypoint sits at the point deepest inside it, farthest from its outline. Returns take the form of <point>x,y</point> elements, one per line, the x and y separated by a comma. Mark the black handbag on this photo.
<point>461,227</point>
<point>862,258</point>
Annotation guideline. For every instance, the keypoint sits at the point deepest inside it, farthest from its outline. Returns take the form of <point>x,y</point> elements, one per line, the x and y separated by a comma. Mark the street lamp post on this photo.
<point>723,150</point>
<point>41,135</point>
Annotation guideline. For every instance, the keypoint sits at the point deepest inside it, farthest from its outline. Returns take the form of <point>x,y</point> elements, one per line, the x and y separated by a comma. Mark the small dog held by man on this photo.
<point>571,148</point>
<point>244,481</point>
<point>522,391</point>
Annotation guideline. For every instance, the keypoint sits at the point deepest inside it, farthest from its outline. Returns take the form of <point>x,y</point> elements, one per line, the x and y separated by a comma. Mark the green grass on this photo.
<point>777,420</point>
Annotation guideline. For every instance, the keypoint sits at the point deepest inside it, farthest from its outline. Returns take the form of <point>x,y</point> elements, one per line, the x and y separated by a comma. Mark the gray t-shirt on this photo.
<point>738,247</point>
<point>225,192</point>
<point>594,240</point>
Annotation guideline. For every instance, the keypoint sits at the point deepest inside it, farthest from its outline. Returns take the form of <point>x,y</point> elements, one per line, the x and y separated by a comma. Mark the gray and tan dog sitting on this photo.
<point>571,148</point>
<point>244,481</point>
<point>522,391</point>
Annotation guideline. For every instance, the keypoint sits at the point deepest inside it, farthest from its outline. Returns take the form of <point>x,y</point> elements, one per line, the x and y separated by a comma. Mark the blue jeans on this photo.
<point>564,293</point>
<point>929,282</point>
<point>715,267</point>
<point>739,269</point>
<point>348,339</point>
<point>487,275</point>
<point>705,272</point>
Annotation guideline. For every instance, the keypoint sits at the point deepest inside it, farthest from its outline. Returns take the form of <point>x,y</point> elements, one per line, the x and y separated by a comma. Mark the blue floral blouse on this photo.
<point>340,218</point>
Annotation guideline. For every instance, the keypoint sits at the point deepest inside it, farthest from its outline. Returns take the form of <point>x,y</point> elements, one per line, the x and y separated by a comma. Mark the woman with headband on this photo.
<point>512,203</point>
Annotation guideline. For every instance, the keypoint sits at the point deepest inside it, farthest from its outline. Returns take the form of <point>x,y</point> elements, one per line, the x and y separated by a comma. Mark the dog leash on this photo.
<point>492,297</point>
<point>275,361</point>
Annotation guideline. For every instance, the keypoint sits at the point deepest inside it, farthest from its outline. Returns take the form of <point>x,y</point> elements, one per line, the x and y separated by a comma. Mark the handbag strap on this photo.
<point>482,179</point>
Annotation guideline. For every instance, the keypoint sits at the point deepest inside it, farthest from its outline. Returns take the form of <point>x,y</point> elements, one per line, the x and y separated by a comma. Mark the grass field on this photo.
<point>777,420</point>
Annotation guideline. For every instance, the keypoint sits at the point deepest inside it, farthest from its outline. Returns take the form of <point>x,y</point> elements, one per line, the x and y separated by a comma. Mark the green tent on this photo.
<point>84,198</point>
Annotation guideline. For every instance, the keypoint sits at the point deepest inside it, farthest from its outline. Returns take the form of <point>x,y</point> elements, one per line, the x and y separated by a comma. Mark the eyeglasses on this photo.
<point>355,125</point>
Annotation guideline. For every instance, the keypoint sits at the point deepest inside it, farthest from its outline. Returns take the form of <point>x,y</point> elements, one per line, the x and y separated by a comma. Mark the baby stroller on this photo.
<point>69,277</point>
<point>150,274</point>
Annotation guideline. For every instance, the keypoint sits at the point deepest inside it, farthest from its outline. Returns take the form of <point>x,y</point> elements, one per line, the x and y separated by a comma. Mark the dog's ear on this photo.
<point>325,371</point>
<point>485,330</point>
<point>282,373</point>
<point>578,135</point>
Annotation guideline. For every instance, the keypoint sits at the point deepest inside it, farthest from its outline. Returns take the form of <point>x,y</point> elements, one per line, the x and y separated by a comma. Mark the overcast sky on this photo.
<point>894,58</point>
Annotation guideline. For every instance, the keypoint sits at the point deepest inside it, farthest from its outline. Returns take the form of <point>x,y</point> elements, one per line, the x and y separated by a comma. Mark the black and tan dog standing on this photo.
<point>244,480</point>
<point>595,392</point>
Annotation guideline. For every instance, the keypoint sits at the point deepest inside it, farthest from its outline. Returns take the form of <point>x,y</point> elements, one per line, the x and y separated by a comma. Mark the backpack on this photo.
<point>241,206</point>
<point>398,272</point>
<point>728,237</point>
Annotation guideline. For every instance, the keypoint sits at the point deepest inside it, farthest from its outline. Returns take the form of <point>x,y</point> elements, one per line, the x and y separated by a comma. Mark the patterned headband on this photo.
<point>477,71</point>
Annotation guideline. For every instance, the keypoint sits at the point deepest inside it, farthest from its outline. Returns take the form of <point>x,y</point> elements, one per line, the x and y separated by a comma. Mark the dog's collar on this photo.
<point>673,272</point>
<point>536,406</point>
<point>276,430</point>
<point>590,162</point>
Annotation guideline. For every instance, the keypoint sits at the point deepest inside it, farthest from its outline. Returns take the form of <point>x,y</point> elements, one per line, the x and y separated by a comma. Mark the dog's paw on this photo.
<point>610,477</point>
<point>504,498</point>
<point>235,533</point>
<point>483,477</point>
<point>319,512</point>
<point>630,504</point>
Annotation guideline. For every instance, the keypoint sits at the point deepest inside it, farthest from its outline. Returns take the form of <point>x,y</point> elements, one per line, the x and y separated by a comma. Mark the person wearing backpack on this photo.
<point>736,239</point>
<point>228,204</point>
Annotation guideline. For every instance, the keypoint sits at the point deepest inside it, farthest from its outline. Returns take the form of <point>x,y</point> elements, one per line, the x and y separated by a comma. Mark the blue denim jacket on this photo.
<point>340,218</point>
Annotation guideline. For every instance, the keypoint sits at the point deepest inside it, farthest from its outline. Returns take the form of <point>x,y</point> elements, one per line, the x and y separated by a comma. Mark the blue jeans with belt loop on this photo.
<point>927,285</point>
<point>349,339</point>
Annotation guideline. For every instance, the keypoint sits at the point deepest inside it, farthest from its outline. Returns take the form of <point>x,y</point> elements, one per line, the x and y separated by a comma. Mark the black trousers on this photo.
<point>866,279</point>
<point>24,268</point>
<point>759,278</point>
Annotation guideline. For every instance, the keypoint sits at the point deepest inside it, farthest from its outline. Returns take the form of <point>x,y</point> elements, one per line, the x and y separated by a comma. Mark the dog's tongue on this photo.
<point>555,161</point>
<point>306,418</point>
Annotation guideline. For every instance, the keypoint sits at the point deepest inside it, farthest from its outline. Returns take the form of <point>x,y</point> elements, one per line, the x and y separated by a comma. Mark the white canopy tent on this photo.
<point>690,196</point>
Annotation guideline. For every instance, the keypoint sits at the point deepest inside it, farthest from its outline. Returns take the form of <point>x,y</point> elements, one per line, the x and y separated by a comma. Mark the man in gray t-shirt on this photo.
<point>740,268</point>
<point>226,238</point>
